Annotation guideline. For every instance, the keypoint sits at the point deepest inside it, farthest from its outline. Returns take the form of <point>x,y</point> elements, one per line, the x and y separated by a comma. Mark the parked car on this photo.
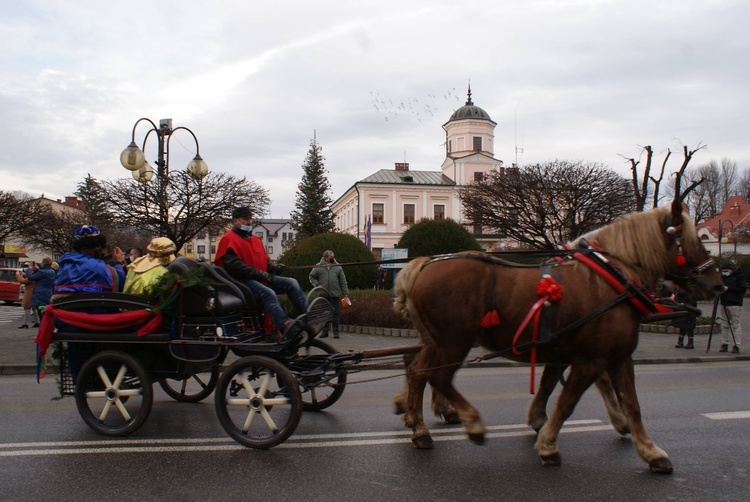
<point>11,291</point>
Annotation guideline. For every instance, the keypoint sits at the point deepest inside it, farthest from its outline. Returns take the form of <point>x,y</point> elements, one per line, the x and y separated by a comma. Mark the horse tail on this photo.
<point>404,282</point>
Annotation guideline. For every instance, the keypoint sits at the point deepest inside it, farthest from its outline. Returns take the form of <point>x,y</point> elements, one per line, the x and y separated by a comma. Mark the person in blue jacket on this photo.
<point>44,280</point>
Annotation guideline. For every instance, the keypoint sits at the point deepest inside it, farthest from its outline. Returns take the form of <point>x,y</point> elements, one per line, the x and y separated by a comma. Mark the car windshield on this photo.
<point>8,275</point>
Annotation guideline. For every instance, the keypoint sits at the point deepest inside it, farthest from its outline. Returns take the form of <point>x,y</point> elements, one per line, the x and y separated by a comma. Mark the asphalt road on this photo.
<point>358,450</point>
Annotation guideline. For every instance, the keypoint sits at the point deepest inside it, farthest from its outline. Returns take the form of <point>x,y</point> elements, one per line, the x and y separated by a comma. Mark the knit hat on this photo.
<point>727,265</point>
<point>88,236</point>
<point>241,211</point>
<point>160,252</point>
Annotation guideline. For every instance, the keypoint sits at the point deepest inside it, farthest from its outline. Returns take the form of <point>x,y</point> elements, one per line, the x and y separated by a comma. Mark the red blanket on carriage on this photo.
<point>149,322</point>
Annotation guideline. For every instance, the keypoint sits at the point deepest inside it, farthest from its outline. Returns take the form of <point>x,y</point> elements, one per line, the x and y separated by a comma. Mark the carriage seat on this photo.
<point>118,301</point>
<point>219,299</point>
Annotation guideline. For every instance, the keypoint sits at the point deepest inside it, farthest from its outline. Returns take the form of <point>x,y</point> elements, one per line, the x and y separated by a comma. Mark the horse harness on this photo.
<point>541,313</point>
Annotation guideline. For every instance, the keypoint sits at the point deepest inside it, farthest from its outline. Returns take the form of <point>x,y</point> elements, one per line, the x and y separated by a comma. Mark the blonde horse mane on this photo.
<point>636,240</point>
<point>404,281</point>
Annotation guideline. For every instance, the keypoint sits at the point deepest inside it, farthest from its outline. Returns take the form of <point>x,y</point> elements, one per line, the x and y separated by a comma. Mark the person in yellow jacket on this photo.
<point>146,270</point>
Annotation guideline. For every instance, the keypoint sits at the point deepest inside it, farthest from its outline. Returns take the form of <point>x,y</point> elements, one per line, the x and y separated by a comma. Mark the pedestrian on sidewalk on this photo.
<point>686,324</point>
<point>731,305</point>
<point>28,290</point>
<point>330,275</point>
<point>44,281</point>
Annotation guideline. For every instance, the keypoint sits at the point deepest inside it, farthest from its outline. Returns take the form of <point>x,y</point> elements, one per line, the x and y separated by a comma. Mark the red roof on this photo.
<point>736,211</point>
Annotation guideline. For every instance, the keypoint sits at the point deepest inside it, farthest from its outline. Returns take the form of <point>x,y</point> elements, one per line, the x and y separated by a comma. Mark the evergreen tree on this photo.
<point>313,214</point>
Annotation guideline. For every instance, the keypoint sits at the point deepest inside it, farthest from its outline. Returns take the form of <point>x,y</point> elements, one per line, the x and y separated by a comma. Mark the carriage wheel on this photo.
<point>193,388</point>
<point>113,393</point>
<point>258,402</point>
<point>318,391</point>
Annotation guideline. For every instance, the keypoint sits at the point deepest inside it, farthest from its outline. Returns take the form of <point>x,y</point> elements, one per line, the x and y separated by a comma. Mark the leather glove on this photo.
<point>279,269</point>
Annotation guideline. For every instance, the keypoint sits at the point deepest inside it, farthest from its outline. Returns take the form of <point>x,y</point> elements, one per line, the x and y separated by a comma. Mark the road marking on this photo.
<point>298,441</point>
<point>727,415</point>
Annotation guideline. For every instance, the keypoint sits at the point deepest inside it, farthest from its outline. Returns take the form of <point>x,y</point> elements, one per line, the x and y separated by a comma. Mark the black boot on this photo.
<point>679,342</point>
<point>690,345</point>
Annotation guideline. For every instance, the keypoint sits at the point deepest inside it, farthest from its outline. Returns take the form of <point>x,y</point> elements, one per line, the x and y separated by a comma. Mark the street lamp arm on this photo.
<point>197,146</point>
<point>136,125</point>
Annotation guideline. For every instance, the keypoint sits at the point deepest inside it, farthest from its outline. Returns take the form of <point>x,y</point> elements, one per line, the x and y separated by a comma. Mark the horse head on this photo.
<point>688,264</point>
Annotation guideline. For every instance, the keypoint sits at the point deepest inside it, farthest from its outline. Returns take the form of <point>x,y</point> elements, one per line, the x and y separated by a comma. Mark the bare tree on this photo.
<point>18,211</point>
<point>54,231</point>
<point>179,206</point>
<point>743,184</point>
<point>542,205</point>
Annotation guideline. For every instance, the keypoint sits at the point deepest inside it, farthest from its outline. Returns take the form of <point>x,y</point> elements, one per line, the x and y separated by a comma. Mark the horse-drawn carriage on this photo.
<point>258,398</point>
<point>591,301</point>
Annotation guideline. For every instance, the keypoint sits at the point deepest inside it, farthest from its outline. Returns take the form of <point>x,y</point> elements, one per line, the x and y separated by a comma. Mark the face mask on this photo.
<point>726,274</point>
<point>246,228</point>
<point>331,260</point>
<point>131,258</point>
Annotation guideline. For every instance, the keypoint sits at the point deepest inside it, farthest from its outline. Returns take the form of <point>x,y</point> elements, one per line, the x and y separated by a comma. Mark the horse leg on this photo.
<point>400,399</point>
<point>440,406</point>
<point>580,378</point>
<point>416,379</point>
<point>623,380</point>
<point>441,380</point>
<point>616,416</point>
<point>536,415</point>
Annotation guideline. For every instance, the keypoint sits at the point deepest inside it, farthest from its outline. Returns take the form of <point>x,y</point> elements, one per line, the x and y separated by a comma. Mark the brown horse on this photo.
<point>449,298</point>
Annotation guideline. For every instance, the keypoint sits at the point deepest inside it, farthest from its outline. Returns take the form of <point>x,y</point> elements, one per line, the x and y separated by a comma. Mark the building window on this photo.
<point>259,235</point>
<point>378,213</point>
<point>270,250</point>
<point>450,145</point>
<point>189,248</point>
<point>201,249</point>
<point>213,249</point>
<point>478,143</point>
<point>478,176</point>
<point>270,239</point>
<point>408,214</point>
<point>439,212</point>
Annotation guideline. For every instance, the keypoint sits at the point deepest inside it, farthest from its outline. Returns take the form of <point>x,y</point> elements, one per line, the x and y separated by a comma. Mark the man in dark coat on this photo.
<point>731,304</point>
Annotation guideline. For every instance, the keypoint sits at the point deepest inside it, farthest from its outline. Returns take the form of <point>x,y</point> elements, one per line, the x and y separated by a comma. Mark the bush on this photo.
<point>346,247</point>
<point>373,308</point>
<point>433,237</point>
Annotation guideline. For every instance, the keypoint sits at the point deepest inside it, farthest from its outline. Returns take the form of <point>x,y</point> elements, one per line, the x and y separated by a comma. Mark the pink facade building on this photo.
<point>393,199</point>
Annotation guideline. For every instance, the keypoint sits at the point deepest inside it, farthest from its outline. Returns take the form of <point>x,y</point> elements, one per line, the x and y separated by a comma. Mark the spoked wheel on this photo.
<point>113,393</point>
<point>320,388</point>
<point>193,388</point>
<point>258,402</point>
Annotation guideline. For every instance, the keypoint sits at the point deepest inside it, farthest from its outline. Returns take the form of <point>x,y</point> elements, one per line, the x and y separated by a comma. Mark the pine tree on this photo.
<point>313,214</point>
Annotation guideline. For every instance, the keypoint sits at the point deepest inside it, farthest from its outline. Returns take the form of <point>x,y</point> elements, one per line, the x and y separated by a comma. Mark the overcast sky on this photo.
<point>584,80</point>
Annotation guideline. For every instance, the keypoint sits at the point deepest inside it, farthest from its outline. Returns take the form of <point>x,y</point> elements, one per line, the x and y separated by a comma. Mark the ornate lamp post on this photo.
<point>134,160</point>
<point>730,233</point>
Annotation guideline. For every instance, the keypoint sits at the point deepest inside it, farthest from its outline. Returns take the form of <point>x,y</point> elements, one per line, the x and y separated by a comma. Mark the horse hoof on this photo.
<point>538,424</point>
<point>477,439</point>
<point>451,418</point>
<point>552,459</point>
<point>661,466</point>
<point>422,442</point>
<point>624,431</point>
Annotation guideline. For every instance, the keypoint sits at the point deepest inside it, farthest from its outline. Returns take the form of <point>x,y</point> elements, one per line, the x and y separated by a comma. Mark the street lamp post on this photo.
<point>134,160</point>
<point>731,232</point>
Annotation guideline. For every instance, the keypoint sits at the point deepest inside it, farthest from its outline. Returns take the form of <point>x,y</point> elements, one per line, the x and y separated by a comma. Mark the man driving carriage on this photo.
<point>244,257</point>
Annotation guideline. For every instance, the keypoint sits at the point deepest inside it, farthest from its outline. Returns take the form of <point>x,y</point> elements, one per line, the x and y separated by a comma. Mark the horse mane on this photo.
<point>636,240</point>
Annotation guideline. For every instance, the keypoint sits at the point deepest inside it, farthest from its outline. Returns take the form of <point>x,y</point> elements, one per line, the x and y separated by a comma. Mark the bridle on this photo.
<point>674,234</point>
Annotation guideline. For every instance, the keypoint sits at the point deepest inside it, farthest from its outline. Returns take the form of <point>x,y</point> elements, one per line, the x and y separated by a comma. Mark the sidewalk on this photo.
<point>17,349</point>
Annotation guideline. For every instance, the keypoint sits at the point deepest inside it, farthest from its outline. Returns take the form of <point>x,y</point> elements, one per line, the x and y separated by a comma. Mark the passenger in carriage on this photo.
<point>83,270</point>
<point>244,257</point>
<point>146,270</point>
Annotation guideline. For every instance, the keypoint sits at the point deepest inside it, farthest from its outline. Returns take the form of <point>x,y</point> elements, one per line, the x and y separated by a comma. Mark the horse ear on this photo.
<point>676,212</point>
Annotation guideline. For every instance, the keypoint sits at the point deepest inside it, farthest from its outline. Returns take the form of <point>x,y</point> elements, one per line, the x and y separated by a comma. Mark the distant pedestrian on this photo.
<point>44,281</point>
<point>686,324</point>
<point>22,276</point>
<point>731,304</point>
<point>329,274</point>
